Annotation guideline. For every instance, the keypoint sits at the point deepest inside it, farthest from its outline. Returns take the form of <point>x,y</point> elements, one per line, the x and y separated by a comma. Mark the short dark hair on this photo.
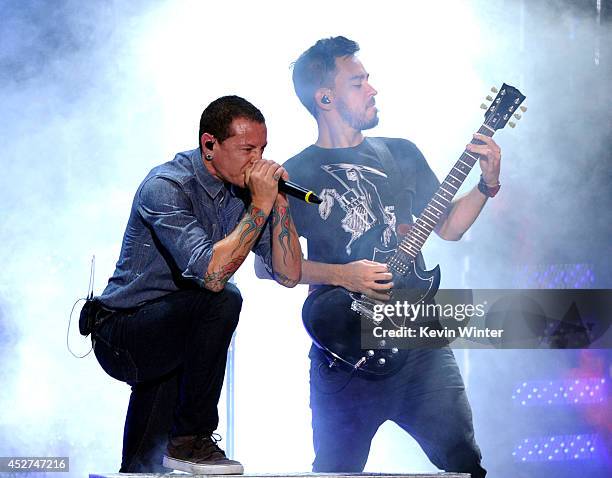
<point>218,116</point>
<point>316,67</point>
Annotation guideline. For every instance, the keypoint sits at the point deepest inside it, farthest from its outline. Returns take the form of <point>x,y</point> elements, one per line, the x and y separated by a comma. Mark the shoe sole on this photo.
<point>199,469</point>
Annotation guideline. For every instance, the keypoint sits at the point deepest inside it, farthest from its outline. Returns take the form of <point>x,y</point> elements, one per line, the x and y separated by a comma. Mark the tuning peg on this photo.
<point>489,98</point>
<point>523,108</point>
<point>484,107</point>
<point>518,116</point>
<point>511,124</point>
<point>494,90</point>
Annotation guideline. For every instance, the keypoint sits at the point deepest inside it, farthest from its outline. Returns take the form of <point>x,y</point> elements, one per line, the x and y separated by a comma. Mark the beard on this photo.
<point>357,121</point>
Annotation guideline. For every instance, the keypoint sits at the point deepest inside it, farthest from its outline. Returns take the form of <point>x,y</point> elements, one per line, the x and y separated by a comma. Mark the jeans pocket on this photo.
<point>116,362</point>
<point>327,381</point>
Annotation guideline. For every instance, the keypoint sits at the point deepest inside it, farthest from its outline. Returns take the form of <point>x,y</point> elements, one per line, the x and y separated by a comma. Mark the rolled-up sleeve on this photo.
<point>167,210</point>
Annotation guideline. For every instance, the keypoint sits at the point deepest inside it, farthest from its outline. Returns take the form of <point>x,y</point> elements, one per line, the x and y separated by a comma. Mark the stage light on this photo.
<point>557,448</point>
<point>556,276</point>
<point>562,392</point>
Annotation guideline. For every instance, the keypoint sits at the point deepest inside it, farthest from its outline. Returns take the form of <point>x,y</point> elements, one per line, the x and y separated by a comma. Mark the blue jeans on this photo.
<point>172,351</point>
<point>426,398</point>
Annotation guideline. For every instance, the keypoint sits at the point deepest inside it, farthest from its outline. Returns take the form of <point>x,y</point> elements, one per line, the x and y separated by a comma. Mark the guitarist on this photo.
<point>427,396</point>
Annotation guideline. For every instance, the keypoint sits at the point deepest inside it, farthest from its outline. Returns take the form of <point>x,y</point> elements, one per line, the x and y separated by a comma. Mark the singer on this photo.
<point>165,320</point>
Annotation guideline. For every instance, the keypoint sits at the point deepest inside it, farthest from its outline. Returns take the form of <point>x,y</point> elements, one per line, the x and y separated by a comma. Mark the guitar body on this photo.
<point>335,318</point>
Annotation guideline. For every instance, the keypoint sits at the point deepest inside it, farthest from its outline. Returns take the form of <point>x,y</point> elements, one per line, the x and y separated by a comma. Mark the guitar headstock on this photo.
<point>504,106</point>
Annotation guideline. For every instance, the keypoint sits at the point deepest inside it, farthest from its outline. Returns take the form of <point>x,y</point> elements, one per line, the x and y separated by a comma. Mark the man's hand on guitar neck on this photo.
<point>362,276</point>
<point>464,210</point>
<point>489,155</point>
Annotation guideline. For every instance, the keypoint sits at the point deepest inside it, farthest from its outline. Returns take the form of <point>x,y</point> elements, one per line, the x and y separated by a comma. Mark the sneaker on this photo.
<point>199,455</point>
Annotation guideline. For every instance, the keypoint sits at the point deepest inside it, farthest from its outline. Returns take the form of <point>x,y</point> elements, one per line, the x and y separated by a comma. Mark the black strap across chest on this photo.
<point>385,158</point>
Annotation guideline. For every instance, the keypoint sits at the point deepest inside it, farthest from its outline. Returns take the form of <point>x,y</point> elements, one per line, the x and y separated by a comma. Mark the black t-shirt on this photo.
<point>357,196</point>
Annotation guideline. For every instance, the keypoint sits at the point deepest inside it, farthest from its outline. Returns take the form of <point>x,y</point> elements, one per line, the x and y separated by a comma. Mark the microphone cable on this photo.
<point>89,296</point>
<point>339,389</point>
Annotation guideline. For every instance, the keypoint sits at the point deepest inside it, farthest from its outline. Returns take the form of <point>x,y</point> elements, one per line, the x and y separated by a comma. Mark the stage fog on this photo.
<point>94,94</point>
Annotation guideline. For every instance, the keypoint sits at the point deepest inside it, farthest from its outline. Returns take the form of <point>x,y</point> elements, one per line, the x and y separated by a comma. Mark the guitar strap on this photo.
<point>403,214</point>
<point>386,159</point>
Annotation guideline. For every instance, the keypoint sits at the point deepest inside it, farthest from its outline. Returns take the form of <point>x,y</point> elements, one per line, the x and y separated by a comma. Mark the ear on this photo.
<point>205,141</point>
<point>324,98</point>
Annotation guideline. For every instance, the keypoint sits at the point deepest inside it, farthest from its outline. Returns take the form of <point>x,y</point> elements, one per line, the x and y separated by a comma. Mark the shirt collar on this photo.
<point>211,184</point>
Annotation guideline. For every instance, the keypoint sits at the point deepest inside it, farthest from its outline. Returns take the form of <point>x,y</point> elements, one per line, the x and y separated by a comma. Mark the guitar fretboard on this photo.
<point>435,210</point>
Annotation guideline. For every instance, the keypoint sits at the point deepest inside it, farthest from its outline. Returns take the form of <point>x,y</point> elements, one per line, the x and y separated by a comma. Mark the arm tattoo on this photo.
<point>284,280</point>
<point>217,279</point>
<point>282,216</point>
<point>275,217</point>
<point>251,224</point>
<point>248,230</point>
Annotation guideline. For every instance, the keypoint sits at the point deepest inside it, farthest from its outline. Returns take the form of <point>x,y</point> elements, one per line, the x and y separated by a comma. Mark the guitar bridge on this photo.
<point>364,310</point>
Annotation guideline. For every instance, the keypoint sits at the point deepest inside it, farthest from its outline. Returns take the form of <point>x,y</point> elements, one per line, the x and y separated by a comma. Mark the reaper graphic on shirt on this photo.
<point>360,201</point>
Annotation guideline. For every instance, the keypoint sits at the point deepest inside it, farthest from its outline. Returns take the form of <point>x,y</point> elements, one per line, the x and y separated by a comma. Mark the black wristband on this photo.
<point>489,191</point>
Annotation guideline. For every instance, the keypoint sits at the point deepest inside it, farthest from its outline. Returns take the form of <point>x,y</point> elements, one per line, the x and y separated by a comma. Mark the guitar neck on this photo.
<point>436,209</point>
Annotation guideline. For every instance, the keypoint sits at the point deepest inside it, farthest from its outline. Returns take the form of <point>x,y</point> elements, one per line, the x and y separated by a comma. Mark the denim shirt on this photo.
<point>179,211</point>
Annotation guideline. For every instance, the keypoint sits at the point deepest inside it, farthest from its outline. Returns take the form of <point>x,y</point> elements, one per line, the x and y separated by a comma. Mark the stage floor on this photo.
<point>287,475</point>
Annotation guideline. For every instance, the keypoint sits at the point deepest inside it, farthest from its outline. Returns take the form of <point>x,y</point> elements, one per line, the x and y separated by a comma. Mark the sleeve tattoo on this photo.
<point>283,279</point>
<point>282,218</point>
<point>217,279</point>
<point>249,228</point>
<point>251,225</point>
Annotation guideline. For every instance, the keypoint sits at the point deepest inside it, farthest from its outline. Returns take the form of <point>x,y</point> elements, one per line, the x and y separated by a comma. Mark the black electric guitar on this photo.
<point>333,316</point>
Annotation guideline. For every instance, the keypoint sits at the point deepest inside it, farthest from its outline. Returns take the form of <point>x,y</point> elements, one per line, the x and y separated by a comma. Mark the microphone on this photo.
<point>299,192</point>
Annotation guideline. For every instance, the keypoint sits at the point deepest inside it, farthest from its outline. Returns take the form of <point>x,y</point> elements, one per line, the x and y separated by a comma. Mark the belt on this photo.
<point>93,315</point>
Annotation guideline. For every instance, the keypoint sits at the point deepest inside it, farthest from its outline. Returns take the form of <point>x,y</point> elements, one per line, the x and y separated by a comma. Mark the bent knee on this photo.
<point>231,299</point>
